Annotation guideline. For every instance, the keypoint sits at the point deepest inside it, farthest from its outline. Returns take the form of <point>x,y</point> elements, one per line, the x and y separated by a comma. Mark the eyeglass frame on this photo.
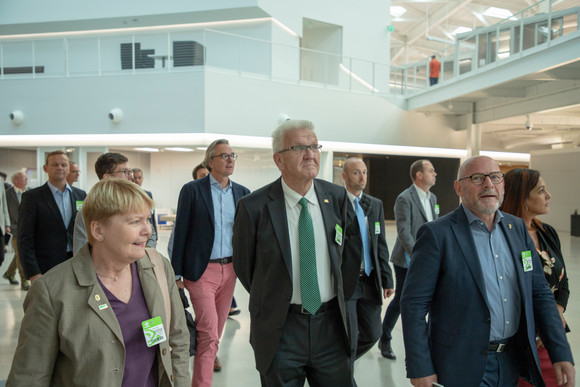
<point>296,148</point>
<point>470,177</point>
<point>227,156</point>
<point>126,172</point>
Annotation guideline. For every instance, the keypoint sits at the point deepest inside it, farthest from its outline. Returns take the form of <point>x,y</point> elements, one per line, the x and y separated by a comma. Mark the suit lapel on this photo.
<point>97,301</point>
<point>433,204</point>
<point>462,232</point>
<point>418,203</point>
<point>49,200</point>
<point>205,192</point>
<point>277,211</point>
<point>509,232</point>
<point>326,204</point>
<point>151,289</point>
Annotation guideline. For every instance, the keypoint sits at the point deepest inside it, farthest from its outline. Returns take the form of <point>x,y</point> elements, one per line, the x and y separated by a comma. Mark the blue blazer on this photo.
<point>194,227</point>
<point>445,279</point>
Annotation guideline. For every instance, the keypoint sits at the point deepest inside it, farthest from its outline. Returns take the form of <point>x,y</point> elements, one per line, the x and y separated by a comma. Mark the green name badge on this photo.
<point>436,209</point>
<point>527,260</point>
<point>79,205</point>
<point>377,228</point>
<point>153,331</point>
<point>338,237</point>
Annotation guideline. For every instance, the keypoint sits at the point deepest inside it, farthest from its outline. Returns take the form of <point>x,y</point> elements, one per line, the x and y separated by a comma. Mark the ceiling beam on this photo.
<point>422,27</point>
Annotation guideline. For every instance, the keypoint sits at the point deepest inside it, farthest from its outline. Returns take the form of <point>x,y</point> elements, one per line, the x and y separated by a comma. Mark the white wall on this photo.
<point>559,169</point>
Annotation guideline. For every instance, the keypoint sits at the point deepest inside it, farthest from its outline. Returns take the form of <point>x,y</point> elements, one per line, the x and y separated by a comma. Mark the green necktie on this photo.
<point>308,274</point>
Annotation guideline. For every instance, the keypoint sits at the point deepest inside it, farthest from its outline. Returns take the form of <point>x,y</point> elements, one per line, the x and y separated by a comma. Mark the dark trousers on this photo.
<point>394,309</point>
<point>501,369</point>
<point>311,347</point>
<point>433,81</point>
<point>364,317</point>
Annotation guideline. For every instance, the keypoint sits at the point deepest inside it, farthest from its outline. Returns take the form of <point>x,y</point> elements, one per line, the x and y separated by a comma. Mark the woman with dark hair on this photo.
<point>526,196</point>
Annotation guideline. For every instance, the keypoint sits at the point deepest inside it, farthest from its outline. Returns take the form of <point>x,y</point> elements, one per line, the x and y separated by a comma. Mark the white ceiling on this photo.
<point>421,31</point>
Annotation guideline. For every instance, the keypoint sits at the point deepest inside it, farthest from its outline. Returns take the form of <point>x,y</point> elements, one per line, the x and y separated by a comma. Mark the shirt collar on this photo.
<point>422,194</point>
<point>53,189</point>
<point>471,217</point>
<point>292,197</point>
<point>17,190</point>
<point>213,181</point>
<point>351,196</point>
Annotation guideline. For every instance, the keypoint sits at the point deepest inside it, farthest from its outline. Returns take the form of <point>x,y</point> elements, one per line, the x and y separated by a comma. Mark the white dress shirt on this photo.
<point>291,199</point>
<point>424,198</point>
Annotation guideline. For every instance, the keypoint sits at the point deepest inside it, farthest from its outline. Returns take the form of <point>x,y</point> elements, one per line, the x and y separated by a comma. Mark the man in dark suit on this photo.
<point>366,272</point>
<point>414,207</point>
<point>476,273</point>
<point>298,315</point>
<point>46,219</point>
<point>13,199</point>
<point>202,252</point>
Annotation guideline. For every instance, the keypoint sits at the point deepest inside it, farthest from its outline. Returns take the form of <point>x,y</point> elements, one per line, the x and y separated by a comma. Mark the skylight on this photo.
<point>500,13</point>
<point>460,30</point>
<point>397,11</point>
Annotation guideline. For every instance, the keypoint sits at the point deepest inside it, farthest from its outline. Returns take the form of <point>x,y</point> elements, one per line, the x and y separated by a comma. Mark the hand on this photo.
<point>561,311</point>
<point>426,381</point>
<point>7,229</point>
<point>34,278</point>
<point>565,373</point>
<point>388,293</point>
<point>180,284</point>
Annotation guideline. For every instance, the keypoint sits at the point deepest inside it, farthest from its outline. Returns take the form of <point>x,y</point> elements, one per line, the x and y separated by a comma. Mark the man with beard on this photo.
<point>477,275</point>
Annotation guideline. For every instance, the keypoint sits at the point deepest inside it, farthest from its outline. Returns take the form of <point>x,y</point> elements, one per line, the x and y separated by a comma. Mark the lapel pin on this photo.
<point>509,225</point>
<point>325,200</point>
<point>103,307</point>
<point>97,297</point>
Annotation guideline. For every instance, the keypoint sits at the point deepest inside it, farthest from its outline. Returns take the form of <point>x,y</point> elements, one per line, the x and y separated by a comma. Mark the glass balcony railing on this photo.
<point>535,28</point>
<point>158,52</point>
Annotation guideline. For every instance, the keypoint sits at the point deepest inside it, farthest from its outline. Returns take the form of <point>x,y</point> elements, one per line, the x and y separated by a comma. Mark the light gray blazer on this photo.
<point>68,338</point>
<point>409,216</point>
<point>4,216</point>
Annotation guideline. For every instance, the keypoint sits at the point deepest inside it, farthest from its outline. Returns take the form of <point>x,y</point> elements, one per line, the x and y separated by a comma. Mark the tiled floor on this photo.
<point>235,351</point>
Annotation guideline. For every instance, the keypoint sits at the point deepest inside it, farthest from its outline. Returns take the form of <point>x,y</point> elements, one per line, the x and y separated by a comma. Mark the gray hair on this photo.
<point>15,175</point>
<point>210,151</point>
<point>280,132</point>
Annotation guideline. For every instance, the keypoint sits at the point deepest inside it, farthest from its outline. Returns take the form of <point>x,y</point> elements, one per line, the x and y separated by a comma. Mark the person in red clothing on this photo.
<point>434,69</point>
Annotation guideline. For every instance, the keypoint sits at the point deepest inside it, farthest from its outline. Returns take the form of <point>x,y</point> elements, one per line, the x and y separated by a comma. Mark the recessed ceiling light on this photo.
<point>201,148</point>
<point>178,149</point>
<point>397,10</point>
<point>147,149</point>
<point>460,30</point>
<point>500,13</point>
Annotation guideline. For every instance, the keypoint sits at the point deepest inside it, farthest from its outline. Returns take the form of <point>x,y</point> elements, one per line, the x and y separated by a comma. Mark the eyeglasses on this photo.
<point>126,172</point>
<point>226,156</point>
<point>479,178</point>
<point>302,148</point>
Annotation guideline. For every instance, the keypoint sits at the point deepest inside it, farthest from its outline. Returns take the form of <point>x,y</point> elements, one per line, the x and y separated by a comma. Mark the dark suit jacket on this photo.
<point>263,261</point>
<point>194,227</point>
<point>353,254</point>
<point>12,201</point>
<point>42,235</point>
<point>446,280</point>
<point>410,216</point>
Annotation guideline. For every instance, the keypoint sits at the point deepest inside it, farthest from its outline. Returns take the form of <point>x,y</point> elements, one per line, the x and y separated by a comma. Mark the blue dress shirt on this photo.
<point>499,275</point>
<point>224,210</point>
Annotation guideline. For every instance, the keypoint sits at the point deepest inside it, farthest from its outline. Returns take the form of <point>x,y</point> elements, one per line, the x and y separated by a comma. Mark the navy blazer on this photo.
<point>445,279</point>
<point>42,235</point>
<point>194,227</point>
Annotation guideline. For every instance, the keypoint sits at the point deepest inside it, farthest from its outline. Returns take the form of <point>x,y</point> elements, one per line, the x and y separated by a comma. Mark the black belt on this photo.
<point>221,261</point>
<point>329,305</point>
<point>499,347</point>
